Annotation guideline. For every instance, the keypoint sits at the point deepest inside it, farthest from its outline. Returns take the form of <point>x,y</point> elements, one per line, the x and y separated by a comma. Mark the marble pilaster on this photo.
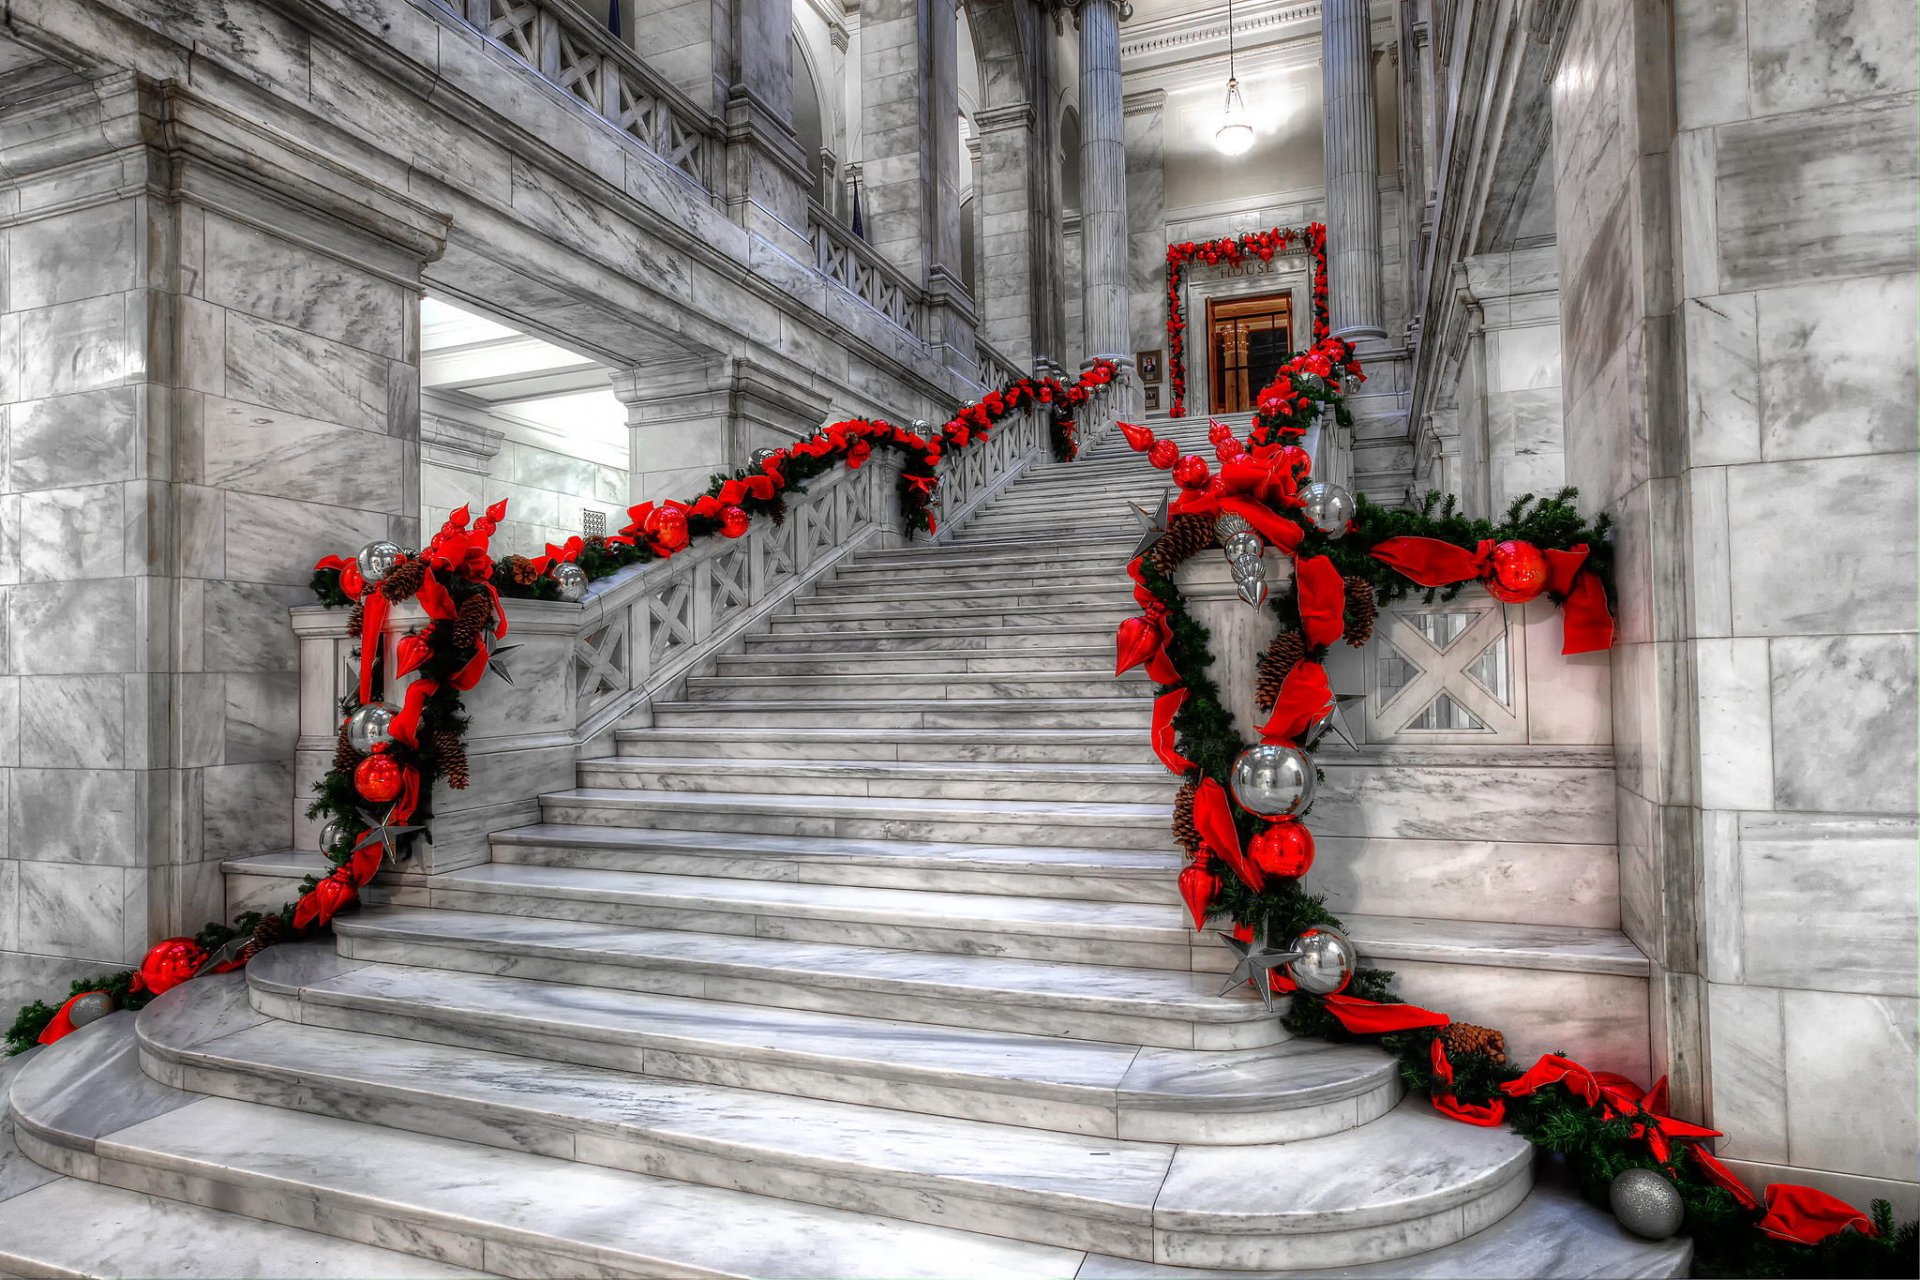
<point>769,175</point>
<point>688,419</point>
<point>1766,788</point>
<point>214,382</point>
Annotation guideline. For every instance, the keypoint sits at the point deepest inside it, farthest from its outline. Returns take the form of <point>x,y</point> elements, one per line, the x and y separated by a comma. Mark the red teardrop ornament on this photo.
<point>1198,884</point>
<point>1139,437</point>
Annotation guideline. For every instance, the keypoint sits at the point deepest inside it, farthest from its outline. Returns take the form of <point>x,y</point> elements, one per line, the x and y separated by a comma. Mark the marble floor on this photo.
<point>863,959</point>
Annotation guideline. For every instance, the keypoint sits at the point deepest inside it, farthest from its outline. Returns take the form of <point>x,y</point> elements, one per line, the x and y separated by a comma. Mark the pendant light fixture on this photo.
<point>1235,134</point>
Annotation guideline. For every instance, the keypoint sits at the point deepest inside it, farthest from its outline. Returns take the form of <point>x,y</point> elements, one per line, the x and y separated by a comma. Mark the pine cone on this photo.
<point>521,571</point>
<point>1186,537</point>
<point>474,617</point>
<point>272,929</point>
<point>356,618</point>
<point>453,758</point>
<point>1184,829</point>
<point>1287,648</point>
<point>1362,608</point>
<point>344,756</point>
<point>1465,1040</point>
<point>247,951</point>
<point>405,581</point>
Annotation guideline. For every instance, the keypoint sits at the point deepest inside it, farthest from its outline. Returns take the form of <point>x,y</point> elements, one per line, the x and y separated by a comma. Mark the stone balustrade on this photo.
<point>996,370</point>
<point>586,60</point>
<point>581,669</point>
<point>857,267</point>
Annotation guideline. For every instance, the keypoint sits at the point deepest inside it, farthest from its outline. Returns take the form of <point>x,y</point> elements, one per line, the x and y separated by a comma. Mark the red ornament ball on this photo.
<point>379,778</point>
<point>1164,454</point>
<point>168,964</point>
<point>1192,472</point>
<point>733,521</point>
<point>1519,572</point>
<point>1283,849</point>
<point>667,526</point>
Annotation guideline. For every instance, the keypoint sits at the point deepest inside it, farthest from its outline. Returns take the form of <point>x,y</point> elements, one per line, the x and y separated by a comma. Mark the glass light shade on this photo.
<point>1235,134</point>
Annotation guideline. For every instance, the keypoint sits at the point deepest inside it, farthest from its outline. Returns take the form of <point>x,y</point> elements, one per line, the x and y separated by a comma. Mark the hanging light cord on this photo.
<point>1231,73</point>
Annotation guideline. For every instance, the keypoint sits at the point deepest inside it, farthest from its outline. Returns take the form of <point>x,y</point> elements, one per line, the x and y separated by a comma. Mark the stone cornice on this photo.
<point>1018,116</point>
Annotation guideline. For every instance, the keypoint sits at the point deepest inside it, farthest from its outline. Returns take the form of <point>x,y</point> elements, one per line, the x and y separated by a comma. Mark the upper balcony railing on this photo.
<point>857,267</point>
<point>589,62</point>
<point>996,370</point>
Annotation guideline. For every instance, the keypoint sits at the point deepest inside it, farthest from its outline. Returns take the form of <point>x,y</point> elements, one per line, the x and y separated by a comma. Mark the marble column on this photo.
<point>1103,178</point>
<point>210,380</point>
<point>1352,173</point>
<point>1146,220</point>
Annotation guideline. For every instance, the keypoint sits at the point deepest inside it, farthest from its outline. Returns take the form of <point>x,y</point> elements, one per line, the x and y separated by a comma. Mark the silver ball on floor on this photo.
<point>1646,1204</point>
<point>90,1007</point>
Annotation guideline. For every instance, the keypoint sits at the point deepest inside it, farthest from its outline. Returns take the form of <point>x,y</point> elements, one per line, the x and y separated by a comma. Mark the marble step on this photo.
<point>1119,745</point>
<point>1113,589</point>
<point>1012,713</point>
<point>1011,535</point>
<point>1110,825</point>
<point>1064,519</point>
<point>1093,571</point>
<point>1553,1235</point>
<point>928,687</point>
<point>1097,659</point>
<point>1138,784</point>
<point>1144,935</point>
<point>1286,1091</point>
<point>1060,1189</point>
<point>512,1213</point>
<point>1073,1192</point>
<point>933,559</point>
<point>1003,641</point>
<point>1102,875</point>
<point>928,615</point>
<point>53,1225</point>
<point>537,936</point>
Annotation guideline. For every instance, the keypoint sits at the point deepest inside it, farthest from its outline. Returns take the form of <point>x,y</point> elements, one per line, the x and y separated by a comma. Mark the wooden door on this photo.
<point>1248,339</point>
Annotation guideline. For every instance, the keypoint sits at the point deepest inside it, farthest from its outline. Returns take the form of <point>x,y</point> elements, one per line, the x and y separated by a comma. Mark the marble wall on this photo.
<point>1736,216</point>
<point>1510,418</point>
<point>196,403</point>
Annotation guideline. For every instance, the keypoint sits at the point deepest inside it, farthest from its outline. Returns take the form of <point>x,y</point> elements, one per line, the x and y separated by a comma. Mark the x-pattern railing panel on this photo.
<point>1444,649</point>
<point>600,663</point>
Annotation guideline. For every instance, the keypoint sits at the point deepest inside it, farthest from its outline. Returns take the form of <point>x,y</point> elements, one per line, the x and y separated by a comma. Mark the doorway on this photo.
<point>1248,339</point>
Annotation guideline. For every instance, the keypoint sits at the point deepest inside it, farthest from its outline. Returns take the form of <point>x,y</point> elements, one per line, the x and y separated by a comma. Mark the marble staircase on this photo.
<point>863,958</point>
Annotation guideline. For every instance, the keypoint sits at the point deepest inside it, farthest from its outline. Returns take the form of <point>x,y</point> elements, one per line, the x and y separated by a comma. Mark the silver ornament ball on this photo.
<point>758,458</point>
<point>371,726</point>
<point>921,424</point>
<point>1228,523</point>
<point>571,579</point>
<point>1272,781</point>
<point>1646,1203</point>
<point>377,559</point>
<point>1239,546</point>
<point>1326,961</point>
<point>90,1007</point>
<point>334,837</point>
<point>1328,507</point>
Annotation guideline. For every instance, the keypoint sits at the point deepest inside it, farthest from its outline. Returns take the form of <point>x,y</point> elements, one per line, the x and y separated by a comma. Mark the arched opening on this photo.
<point>809,123</point>
<point>1070,160</point>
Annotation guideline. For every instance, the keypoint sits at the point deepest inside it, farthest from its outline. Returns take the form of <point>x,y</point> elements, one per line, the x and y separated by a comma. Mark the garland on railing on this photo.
<point>391,756</point>
<point>1240,812</point>
<point>1233,250</point>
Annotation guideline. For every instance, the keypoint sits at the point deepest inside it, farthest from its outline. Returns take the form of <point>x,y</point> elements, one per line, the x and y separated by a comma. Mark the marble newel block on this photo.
<point>519,742</point>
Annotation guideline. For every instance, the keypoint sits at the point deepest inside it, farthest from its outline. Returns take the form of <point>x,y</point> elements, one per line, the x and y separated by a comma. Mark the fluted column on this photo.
<point>1103,179</point>
<point>1353,167</point>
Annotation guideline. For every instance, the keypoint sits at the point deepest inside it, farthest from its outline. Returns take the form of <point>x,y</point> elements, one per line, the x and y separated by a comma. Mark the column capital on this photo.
<point>1019,115</point>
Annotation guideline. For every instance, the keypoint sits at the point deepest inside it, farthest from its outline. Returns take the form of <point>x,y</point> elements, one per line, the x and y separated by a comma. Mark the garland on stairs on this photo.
<point>1234,250</point>
<point>1241,807</point>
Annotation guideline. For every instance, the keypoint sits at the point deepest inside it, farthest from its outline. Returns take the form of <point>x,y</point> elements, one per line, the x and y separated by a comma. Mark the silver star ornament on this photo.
<point>1255,963</point>
<point>1153,526</point>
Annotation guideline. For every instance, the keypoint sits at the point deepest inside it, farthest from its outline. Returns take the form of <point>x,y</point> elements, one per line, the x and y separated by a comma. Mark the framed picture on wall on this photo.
<point>1153,397</point>
<point>1148,363</point>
